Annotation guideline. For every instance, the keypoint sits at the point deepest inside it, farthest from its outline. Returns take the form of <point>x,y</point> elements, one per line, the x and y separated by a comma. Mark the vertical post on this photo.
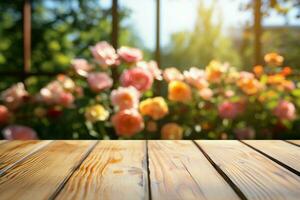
<point>157,89</point>
<point>115,24</point>
<point>115,33</point>
<point>257,31</point>
<point>26,36</point>
<point>157,51</point>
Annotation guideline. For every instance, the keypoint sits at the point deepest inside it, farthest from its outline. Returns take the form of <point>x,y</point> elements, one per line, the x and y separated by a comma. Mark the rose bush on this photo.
<point>216,102</point>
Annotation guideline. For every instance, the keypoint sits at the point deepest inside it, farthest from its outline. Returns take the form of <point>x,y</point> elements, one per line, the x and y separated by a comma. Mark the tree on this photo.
<point>205,43</point>
<point>61,30</point>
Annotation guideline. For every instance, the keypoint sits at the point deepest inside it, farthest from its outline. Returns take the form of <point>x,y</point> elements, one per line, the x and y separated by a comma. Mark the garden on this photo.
<point>104,91</point>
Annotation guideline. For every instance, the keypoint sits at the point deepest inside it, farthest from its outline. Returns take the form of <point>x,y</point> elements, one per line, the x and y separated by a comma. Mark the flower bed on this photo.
<point>144,101</point>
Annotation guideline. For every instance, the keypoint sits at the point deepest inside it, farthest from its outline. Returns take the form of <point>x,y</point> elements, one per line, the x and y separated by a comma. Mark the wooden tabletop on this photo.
<point>127,169</point>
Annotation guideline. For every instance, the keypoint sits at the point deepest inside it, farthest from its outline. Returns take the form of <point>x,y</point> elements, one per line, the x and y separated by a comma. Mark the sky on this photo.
<point>180,15</point>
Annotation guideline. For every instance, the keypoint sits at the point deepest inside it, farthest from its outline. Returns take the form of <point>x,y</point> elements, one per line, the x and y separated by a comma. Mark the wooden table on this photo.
<point>150,170</point>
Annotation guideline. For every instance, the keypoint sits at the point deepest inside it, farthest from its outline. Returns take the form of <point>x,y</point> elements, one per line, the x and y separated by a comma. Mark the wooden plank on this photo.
<point>2,141</point>
<point>14,152</point>
<point>39,176</point>
<point>297,142</point>
<point>284,152</point>
<point>254,174</point>
<point>178,170</point>
<point>113,170</point>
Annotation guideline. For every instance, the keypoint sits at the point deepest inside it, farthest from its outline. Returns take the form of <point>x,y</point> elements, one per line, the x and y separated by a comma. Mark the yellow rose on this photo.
<point>96,113</point>
<point>155,107</point>
<point>179,91</point>
<point>276,79</point>
<point>215,70</point>
<point>171,131</point>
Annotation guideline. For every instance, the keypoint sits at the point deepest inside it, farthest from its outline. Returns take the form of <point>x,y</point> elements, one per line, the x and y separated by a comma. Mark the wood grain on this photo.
<point>282,151</point>
<point>113,170</point>
<point>14,152</point>
<point>178,170</point>
<point>295,142</point>
<point>256,176</point>
<point>41,174</point>
<point>2,141</point>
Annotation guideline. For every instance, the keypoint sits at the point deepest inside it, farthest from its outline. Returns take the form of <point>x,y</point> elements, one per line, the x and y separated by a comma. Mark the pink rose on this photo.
<point>206,93</point>
<point>81,66</point>
<point>246,75</point>
<point>18,132</point>
<point>196,77</point>
<point>66,99</point>
<point>228,110</point>
<point>104,54</point>
<point>244,133</point>
<point>4,114</point>
<point>129,54</point>
<point>229,93</point>
<point>285,110</point>
<point>172,74</point>
<point>58,92</point>
<point>14,96</point>
<point>289,85</point>
<point>137,77</point>
<point>152,67</point>
<point>51,93</point>
<point>128,122</point>
<point>125,97</point>
<point>99,81</point>
<point>66,82</point>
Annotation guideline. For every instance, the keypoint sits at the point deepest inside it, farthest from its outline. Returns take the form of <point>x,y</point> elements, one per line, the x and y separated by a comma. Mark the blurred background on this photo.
<point>40,37</point>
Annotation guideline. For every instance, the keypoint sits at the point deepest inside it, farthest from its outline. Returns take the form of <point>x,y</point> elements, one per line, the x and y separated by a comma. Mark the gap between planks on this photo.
<point>75,167</point>
<point>293,142</point>
<point>24,157</point>
<point>148,170</point>
<point>43,173</point>
<point>222,173</point>
<point>175,174</point>
<point>113,170</point>
<point>273,154</point>
<point>255,175</point>
<point>218,169</point>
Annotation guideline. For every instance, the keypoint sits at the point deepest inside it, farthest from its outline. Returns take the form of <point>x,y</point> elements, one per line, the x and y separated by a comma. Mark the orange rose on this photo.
<point>249,86</point>
<point>215,70</point>
<point>179,91</point>
<point>155,107</point>
<point>258,70</point>
<point>286,71</point>
<point>273,59</point>
<point>171,131</point>
<point>276,79</point>
<point>127,122</point>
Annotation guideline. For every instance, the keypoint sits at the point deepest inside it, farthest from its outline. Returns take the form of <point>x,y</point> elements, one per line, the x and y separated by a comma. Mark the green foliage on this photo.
<point>285,41</point>
<point>61,30</point>
<point>11,53</point>
<point>205,43</point>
